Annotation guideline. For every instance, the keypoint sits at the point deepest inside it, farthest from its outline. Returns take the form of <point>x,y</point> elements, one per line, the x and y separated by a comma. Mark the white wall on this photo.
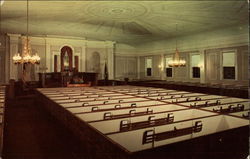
<point>219,38</point>
<point>126,62</point>
<point>47,47</point>
<point>201,43</point>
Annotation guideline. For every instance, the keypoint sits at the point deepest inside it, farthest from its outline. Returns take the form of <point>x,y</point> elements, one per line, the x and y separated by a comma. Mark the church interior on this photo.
<point>124,79</point>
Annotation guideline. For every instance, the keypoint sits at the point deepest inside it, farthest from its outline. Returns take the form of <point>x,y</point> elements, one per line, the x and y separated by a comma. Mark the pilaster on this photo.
<point>202,67</point>
<point>13,49</point>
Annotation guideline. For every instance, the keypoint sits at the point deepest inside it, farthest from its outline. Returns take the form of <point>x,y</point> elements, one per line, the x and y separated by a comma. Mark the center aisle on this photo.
<point>31,133</point>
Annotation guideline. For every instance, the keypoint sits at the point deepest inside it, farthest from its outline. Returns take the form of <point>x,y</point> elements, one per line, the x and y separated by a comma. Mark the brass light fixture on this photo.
<point>176,61</point>
<point>1,2</point>
<point>27,57</point>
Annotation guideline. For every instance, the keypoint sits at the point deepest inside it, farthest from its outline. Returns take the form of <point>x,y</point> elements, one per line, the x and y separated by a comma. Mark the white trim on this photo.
<point>165,67</point>
<point>52,60</point>
<point>61,46</point>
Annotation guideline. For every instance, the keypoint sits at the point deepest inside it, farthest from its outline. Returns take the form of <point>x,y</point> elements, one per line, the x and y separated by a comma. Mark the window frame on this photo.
<point>191,67</point>
<point>166,66</point>
<point>146,75</point>
<point>235,65</point>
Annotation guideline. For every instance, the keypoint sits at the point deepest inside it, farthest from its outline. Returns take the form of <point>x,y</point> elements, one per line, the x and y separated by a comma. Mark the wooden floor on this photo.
<point>31,133</point>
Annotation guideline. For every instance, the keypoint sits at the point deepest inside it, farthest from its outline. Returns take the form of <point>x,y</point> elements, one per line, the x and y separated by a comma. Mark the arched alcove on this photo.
<point>66,58</point>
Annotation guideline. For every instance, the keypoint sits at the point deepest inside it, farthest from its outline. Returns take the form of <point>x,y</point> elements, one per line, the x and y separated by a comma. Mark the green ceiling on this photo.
<point>129,22</point>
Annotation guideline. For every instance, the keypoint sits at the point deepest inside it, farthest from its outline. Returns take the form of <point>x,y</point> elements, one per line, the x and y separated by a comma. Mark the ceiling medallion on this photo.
<point>116,11</point>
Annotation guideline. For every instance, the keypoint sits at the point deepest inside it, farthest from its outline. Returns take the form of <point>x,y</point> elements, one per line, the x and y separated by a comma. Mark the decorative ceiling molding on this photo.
<point>130,22</point>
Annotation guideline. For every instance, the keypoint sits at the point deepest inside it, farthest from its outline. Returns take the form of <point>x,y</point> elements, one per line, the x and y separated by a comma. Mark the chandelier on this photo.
<point>27,57</point>
<point>176,61</point>
<point>1,2</point>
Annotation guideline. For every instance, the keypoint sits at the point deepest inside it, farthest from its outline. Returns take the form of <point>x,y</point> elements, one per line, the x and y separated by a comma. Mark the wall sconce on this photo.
<point>160,66</point>
<point>1,2</point>
<point>201,66</point>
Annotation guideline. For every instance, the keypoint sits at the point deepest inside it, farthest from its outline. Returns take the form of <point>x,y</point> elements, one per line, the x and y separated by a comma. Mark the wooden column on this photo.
<point>76,63</point>
<point>55,63</point>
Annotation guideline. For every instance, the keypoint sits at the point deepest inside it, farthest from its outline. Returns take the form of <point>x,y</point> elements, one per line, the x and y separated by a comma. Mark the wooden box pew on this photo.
<point>2,112</point>
<point>93,101</point>
<point>110,94</point>
<point>152,92</point>
<point>64,89</point>
<point>100,102</point>
<point>54,95</point>
<point>133,140</point>
<point>140,122</point>
<point>183,95</point>
<point>150,136</point>
<point>162,97</point>
<point>110,107</point>
<point>130,88</point>
<point>243,114</point>
<point>79,91</point>
<point>125,113</point>
<point>73,92</point>
<point>137,89</point>
<point>85,107</point>
<point>57,90</point>
<point>213,102</point>
<point>121,87</point>
<point>194,98</point>
<point>68,119</point>
<point>158,92</point>
<point>232,108</point>
<point>118,96</point>
<point>146,91</point>
<point>183,98</point>
<point>82,96</point>
<point>166,95</point>
<point>85,97</point>
<point>65,97</point>
<point>231,99</point>
<point>239,106</point>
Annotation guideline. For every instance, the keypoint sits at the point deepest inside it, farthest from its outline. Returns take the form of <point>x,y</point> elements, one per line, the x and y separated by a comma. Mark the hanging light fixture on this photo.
<point>27,57</point>
<point>1,2</point>
<point>176,61</point>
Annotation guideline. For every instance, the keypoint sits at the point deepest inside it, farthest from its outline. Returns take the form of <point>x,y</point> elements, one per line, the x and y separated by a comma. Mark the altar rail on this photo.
<point>61,79</point>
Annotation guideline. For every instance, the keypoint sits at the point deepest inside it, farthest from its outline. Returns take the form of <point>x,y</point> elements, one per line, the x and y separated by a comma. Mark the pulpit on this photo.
<point>64,79</point>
